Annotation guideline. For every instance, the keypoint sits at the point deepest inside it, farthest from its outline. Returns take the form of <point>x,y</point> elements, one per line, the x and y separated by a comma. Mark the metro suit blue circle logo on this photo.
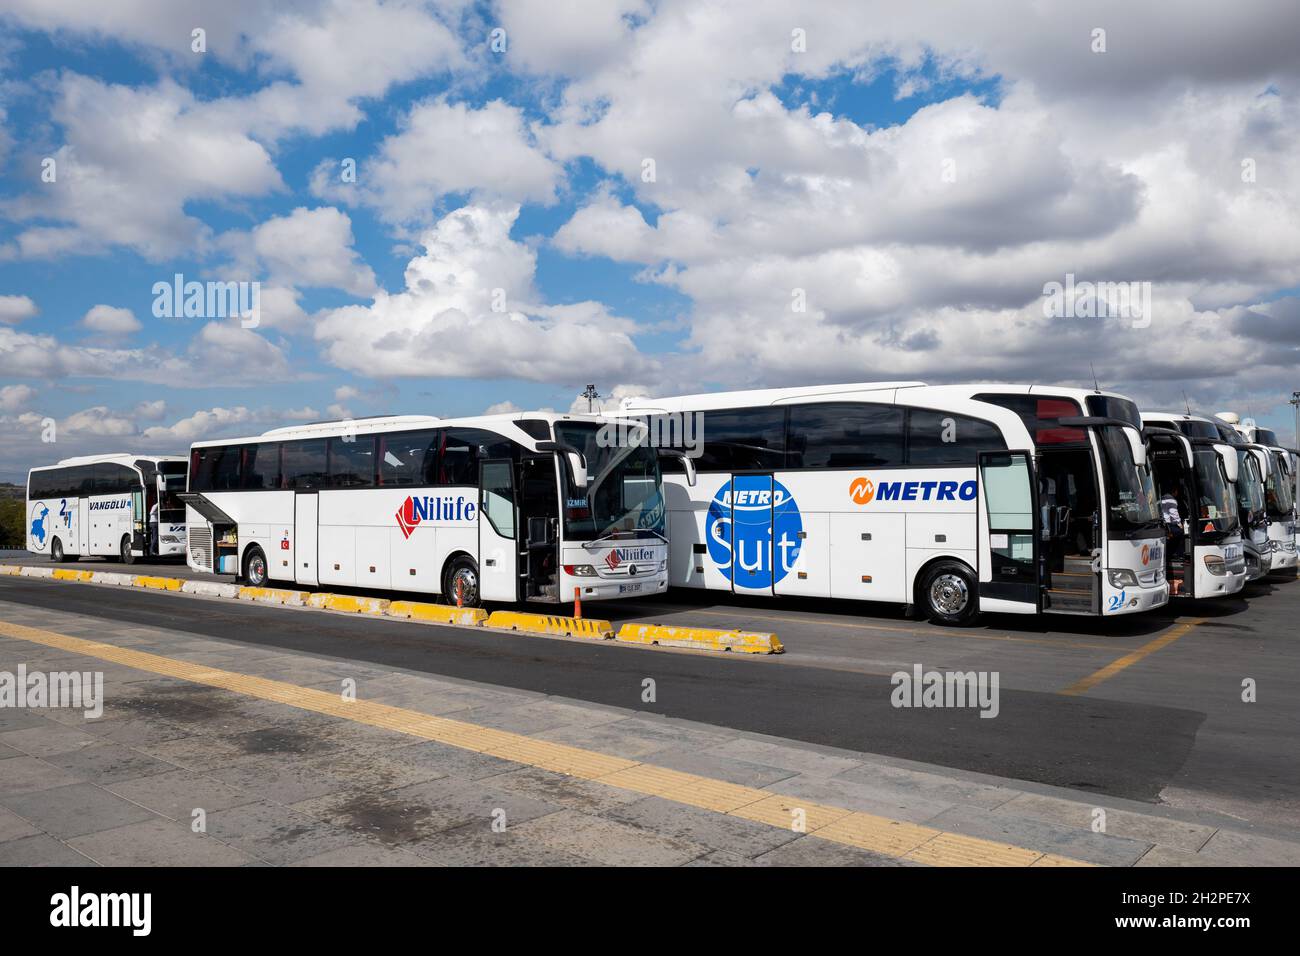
<point>742,518</point>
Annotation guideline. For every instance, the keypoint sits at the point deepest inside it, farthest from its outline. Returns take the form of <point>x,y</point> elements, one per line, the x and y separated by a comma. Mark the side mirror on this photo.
<point>579,469</point>
<point>1228,455</point>
<point>688,463</point>
<point>577,461</point>
<point>1136,445</point>
<point>1261,456</point>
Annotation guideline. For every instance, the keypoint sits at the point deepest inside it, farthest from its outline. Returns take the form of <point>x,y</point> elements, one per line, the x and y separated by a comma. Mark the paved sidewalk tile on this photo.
<point>25,774</point>
<point>178,793</point>
<point>276,834</point>
<point>156,843</point>
<point>1144,827</point>
<point>607,842</point>
<point>1044,837</point>
<point>718,831</point>
<point>74,810</point>
<point>41,850</point>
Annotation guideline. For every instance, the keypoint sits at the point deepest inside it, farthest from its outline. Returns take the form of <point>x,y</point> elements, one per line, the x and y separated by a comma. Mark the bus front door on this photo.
<point>498,523</point>
<point>1008,536</point>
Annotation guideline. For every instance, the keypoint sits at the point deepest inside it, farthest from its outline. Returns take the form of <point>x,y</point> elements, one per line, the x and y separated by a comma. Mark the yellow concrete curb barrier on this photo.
<point>273,596</point>
<point>158,584</point>
<point>437,613</point>
<point>701,638</point>
<point>11,569</point>
<point>349,603</point>
<point>68,574</point>
<point>550,624</point>
<point>29,572</point>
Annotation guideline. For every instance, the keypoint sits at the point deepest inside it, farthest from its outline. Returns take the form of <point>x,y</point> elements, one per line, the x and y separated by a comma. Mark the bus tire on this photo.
<point>949,593</point>
<point>127,556</point>
<point>56,551</point>
<point>462,572</point>
<point>255,574</point>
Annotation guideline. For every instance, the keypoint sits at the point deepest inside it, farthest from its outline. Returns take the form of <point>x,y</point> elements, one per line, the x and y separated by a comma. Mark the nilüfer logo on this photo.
<point>612,560</point>
<point>444,508</point>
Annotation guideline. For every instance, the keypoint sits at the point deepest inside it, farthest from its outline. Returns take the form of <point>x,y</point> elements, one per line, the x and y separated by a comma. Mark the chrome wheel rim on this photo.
<point>949,594</point>
<point>257,570</point>
<point>465,581</point>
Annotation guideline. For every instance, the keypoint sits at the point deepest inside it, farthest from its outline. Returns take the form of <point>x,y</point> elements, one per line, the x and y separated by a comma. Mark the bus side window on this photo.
<point>408,458</point>
<point>304,464</point>
<point>352,462</point>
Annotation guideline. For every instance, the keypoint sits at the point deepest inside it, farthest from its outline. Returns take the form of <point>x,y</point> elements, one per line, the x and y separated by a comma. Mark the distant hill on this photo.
<point>9,490</point>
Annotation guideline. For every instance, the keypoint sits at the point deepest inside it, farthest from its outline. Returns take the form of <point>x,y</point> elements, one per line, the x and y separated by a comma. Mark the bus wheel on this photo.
<point>255,568</point>
<point>127,556</point>
<point>56,550</point>
<point>950,594</point>
<point>462,576</point>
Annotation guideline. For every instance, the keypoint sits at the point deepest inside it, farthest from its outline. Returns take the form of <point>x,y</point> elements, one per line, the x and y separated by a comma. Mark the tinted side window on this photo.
<point>83,480</point>
<point>743,439</point>
<point>1040,414</point>
<point>941,438</point>
<point>845,435</point>
<point>303,463</point>
<point>261,468</point>
<point>463,448</point>
<point>41,484</point>
<point>408,458</point>
<point>113,479</point>
<point>214,468</point>
<point>352,463</point>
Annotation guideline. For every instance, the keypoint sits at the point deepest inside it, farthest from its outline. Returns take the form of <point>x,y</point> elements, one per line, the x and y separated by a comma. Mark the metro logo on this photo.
<point>444,508</point>
<point>1146,554</point>
<point>863,491</point>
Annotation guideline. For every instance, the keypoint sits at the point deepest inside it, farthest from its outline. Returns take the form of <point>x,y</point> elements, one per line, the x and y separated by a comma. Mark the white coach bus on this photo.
<point>493,508</point>
<point>1003,498</point>
<point>117,506</point>
<point>1279,487</point>
<point>1192,464</point>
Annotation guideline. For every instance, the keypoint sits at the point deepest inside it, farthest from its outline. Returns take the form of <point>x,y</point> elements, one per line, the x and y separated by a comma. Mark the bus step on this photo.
<point>1068,599</point>
<point>1078,565</point>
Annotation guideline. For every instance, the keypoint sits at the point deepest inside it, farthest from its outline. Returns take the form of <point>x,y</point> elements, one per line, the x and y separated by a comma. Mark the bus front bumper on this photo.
<point>611,589</point>
<point>1284,559</point>
<point>1134,600</point>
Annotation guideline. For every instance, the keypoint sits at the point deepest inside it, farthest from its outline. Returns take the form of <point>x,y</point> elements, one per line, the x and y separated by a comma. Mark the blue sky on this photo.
<point>918,178</point>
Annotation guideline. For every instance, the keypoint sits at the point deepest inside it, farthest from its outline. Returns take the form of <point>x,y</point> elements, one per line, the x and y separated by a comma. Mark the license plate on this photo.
<point>629,588</point>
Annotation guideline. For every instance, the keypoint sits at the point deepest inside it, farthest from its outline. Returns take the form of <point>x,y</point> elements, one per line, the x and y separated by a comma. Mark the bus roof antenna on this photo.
<point>1095,386</point>
<point>1187,402</point>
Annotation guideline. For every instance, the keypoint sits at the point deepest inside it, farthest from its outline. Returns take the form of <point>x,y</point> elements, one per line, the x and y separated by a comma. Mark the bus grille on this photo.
<point>201,545</point>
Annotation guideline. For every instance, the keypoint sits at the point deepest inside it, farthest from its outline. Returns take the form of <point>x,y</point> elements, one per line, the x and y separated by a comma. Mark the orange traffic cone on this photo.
<point>577,603</point>
<point>460,593</point>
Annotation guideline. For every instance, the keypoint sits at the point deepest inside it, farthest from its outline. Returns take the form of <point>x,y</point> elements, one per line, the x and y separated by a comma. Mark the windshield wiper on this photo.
<point>612,532</point>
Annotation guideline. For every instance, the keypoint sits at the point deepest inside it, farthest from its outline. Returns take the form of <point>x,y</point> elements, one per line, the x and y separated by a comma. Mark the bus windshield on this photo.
<point>1133,503</point>
<point>1277,491</point>
<point>1250,489</point>
<point>624,490</point>
<point>1214,495</point>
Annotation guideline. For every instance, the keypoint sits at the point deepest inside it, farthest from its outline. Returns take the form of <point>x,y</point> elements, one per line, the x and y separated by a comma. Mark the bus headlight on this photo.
<point>1215,564</point>
<point>1122,578</point>
<point>580,570</point>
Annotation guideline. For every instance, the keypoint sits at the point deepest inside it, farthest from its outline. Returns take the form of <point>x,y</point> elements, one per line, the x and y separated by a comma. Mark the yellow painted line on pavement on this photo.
<point>1128,660</point>
<point>882,835</point>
